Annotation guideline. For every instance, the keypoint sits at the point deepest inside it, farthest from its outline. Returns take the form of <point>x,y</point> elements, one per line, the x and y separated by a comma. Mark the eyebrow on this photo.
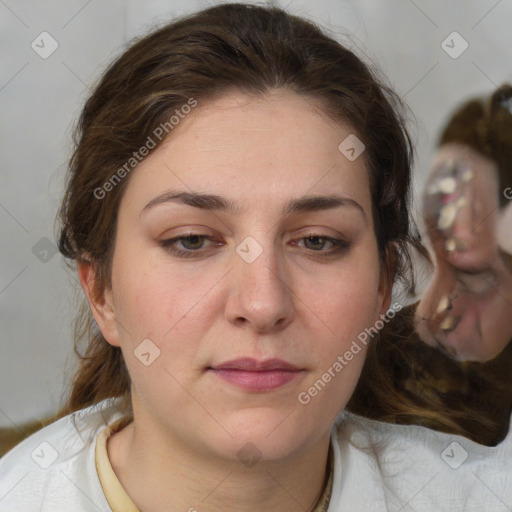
<point>212,202</point>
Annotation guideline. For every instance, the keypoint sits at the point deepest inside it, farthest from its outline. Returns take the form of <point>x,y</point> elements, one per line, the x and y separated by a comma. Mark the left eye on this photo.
<point>315,242</point>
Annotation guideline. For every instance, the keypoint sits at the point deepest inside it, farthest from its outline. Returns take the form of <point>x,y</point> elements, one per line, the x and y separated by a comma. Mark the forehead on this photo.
<point>255,147</point>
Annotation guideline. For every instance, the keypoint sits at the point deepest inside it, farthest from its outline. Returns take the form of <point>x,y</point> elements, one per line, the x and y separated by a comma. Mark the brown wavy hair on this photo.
<point>239,47</point>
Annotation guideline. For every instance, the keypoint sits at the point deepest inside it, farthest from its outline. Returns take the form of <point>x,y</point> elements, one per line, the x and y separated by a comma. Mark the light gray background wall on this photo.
<point>41,97</point>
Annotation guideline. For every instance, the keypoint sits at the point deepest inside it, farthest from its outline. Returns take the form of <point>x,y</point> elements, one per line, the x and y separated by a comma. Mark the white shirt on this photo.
<point>377,467</point>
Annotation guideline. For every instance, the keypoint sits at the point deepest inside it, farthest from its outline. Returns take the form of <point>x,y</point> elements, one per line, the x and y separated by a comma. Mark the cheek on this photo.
<point>352,326</point>
<point>161,320</point>
<point>173,309</point>
<point>352,303</point>
<point>340,346</point>
<point>348,308</point>
<point>151,294</point>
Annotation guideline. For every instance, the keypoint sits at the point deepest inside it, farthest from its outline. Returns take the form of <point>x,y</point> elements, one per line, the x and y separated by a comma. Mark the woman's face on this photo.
<point>245,257</point>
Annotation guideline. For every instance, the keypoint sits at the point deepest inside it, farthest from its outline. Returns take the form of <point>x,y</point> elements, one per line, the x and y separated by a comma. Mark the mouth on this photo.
<point>256,376</point>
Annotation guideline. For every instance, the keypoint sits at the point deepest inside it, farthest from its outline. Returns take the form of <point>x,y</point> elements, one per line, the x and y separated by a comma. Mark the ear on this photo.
<point>100,302</point>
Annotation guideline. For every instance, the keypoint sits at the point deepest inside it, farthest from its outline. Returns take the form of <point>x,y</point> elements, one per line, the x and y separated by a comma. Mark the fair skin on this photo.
<point>289,303</point>
<point>467,309</point>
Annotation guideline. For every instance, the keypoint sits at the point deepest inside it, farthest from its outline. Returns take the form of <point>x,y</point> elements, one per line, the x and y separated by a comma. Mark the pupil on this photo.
<point>192,240</point>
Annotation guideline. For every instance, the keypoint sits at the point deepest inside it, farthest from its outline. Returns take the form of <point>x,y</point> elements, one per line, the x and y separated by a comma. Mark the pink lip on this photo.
<point>257,376</point>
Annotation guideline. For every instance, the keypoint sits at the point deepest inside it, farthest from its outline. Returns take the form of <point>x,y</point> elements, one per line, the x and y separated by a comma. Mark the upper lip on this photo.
<point>253,365</point>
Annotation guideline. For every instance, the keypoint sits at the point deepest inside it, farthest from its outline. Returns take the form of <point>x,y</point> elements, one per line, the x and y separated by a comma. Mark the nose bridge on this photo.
<point>259,265</point>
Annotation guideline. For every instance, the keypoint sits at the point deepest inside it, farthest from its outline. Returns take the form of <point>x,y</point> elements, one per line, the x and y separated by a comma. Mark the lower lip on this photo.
<point>257,381</point>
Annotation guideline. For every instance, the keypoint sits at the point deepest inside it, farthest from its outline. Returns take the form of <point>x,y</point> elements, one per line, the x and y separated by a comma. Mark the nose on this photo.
<point>260,294</point>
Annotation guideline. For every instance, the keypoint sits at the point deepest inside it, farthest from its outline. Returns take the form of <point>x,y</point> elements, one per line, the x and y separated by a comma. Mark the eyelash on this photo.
<point>339,245</point>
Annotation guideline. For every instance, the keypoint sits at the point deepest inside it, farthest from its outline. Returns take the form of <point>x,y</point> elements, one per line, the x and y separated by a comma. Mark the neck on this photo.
<point>156,471</point>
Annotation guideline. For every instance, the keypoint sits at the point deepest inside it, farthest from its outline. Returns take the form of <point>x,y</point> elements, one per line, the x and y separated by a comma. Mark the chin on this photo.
<point>267,435</point>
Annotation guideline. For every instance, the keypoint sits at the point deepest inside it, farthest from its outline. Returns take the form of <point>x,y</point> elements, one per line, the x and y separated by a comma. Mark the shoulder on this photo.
<point>409,465</point>
<point>54,469</point>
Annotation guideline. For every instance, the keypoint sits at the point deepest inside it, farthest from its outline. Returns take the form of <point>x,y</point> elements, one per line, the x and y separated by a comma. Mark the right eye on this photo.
<point>192,244</point>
